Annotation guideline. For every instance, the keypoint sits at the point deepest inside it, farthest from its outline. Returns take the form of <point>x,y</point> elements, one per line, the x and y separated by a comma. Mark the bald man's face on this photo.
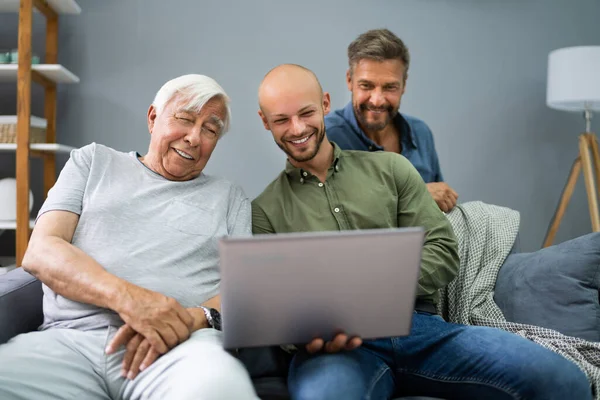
<point>294,113</point>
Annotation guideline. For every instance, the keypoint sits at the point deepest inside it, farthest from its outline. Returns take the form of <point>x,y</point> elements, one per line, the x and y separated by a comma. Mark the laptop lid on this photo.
<point>293,287</point>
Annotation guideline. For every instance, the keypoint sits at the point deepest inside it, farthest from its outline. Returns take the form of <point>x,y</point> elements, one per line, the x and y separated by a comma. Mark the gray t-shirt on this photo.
<point>155,233</point>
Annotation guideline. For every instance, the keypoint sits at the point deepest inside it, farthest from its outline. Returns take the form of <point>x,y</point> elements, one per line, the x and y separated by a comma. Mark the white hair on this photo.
<point>195,90</point>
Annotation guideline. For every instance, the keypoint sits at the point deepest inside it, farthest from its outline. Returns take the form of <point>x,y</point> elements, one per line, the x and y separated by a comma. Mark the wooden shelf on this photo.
<point>60,6</point>
<point>45,147</point>
<point>48,76</point>
<point>54,72</point>
<point>12,225</point>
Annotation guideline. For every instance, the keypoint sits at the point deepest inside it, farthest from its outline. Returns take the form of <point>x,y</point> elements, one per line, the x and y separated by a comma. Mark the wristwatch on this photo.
<point>213,316</point>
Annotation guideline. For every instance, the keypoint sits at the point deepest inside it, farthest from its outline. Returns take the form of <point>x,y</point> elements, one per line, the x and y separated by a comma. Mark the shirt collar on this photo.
<point>406,134</point>
<point>300,174</point>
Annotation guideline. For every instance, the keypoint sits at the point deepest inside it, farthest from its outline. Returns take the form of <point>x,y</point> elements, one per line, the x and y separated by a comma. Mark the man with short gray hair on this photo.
<point>378,63</point>
<point>126,248</point>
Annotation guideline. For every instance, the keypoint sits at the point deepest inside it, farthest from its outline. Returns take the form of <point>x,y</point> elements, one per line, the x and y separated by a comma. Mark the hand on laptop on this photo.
<point>340,342</point>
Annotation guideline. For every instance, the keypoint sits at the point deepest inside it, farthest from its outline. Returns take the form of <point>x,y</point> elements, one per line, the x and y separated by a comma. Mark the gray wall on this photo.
<point>478,77</point>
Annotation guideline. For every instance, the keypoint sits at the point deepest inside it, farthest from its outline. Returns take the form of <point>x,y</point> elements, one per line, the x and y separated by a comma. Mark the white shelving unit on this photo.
<point>25,74</point>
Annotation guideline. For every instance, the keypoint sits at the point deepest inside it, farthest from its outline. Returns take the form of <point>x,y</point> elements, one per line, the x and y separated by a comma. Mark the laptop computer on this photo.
<point>291,288</point>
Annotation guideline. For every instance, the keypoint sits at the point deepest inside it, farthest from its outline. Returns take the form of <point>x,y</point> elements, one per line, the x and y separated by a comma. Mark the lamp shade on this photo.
<point>574,79</point>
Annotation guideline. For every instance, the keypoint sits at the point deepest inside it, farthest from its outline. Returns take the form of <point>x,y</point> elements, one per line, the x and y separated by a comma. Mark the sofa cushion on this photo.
<point>555,287</point>
<point>20,303</point>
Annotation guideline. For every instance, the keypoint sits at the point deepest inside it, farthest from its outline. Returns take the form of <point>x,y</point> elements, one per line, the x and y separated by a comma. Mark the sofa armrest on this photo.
<point>20,303</point>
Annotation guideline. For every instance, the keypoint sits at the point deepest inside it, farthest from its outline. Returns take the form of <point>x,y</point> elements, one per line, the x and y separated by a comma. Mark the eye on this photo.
<point>184,119</point>
<point>364,86</point>
<point>308,113</point>
<point>391,88</point>
<point>280,121</point>
<point>210,130</point>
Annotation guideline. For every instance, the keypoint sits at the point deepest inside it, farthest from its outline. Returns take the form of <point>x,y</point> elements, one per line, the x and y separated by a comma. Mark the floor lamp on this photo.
<point>574,85</point>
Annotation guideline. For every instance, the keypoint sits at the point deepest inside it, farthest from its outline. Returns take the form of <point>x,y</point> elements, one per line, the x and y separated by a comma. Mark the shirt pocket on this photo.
<point>192,220</point>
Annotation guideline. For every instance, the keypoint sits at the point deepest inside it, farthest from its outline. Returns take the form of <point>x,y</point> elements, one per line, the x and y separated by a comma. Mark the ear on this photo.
<point>349,79</point>
<point>404,84</point>
<point>264,120</point>
<point>151,117</point>
<point>326,103</point>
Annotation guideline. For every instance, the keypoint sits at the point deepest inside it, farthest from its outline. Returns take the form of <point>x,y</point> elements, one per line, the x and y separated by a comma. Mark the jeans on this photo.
<point>441,360</point>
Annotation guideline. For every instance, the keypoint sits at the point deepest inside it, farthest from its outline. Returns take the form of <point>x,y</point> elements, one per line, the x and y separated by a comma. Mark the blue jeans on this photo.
<point>442,360</point>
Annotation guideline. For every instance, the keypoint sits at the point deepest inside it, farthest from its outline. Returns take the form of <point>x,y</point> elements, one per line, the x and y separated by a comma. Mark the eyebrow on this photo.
<point>216,120</point>
<point>299,112</point>
<point>384,84</point>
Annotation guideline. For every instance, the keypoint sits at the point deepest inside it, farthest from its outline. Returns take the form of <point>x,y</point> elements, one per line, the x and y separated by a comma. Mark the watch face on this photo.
<point>216,316</point>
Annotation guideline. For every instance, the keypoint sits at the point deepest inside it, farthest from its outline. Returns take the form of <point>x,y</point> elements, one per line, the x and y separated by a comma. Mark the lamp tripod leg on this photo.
<point>564,201</point>
<point>593,142</point>
<point>587,144</point>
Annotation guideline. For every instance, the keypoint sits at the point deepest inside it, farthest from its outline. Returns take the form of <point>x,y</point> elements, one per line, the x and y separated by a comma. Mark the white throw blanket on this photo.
<point>486,234</point>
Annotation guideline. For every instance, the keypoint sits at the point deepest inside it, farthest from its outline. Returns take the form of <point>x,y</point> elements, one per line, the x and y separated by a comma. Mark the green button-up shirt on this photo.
<point>363,190</point>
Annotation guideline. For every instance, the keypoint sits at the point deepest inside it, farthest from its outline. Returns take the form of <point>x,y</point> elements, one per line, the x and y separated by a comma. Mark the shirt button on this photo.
<point>336,210</point>
<point>301,180</point>
<point>305,173</point>
<point>320,184</point>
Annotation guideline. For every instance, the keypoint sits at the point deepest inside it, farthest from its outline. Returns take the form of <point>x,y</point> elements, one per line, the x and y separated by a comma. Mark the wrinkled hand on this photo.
<point>158,318</point>
<point>340,342</point>
<point>139,353</point>
<point>138,356</point>
<point>443,195</point>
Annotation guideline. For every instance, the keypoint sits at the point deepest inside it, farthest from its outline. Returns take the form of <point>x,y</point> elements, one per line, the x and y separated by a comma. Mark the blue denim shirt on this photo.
<point>415,137</point>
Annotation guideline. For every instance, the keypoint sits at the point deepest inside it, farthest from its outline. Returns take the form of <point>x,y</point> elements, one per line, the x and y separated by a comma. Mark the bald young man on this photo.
<point>324,188</point>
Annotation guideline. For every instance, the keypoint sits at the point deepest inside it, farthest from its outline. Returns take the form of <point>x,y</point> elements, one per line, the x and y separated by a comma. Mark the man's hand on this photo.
<point>138,356</point>
<point>139,353</point>
<point>340,342</point>
<point>158,318</point>
<point>443,195</point>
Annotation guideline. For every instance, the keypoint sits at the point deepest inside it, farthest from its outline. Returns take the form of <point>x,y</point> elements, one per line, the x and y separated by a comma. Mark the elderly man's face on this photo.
<point>183,140</point>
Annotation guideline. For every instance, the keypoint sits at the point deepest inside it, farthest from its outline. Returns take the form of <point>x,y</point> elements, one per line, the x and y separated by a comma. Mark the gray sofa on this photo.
<point>555,288</point>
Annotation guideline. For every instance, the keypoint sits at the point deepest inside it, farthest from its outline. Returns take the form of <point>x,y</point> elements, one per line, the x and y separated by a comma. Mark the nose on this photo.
<point>298,126</point>
<point>377,98</point>
<point>194,137</point>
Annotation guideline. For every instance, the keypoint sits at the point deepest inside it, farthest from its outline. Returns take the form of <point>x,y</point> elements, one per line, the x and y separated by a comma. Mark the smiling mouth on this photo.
<point>377,111</point>
<point>183,154</point>
<point>303,140</point>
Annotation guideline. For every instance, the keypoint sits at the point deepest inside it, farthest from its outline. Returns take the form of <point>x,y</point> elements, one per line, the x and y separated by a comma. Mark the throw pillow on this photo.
<point>556,287</point>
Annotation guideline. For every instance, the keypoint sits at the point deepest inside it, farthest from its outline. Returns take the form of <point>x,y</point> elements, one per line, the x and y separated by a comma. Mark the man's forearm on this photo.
<point>73,274</point>
<point>439,266</point>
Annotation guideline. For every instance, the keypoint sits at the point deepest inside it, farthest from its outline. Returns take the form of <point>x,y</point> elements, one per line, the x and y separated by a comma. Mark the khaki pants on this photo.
<point>69,364</point>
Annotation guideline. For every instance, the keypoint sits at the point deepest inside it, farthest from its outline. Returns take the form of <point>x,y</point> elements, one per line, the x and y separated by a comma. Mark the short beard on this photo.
<point>373,126</point>
<point>310,156</point>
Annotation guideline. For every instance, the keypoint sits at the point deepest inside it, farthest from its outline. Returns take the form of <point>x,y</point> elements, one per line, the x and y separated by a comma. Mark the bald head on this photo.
<point>288,80</point>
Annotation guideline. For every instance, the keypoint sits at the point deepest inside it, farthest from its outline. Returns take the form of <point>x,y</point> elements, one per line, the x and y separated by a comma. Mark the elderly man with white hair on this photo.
<point>126,248</point>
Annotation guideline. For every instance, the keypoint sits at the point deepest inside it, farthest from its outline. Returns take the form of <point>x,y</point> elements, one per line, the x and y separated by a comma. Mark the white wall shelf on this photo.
<point>45,147</point>
<point>60,6</point>
<point>12,225</point>
<point>55,72</point>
